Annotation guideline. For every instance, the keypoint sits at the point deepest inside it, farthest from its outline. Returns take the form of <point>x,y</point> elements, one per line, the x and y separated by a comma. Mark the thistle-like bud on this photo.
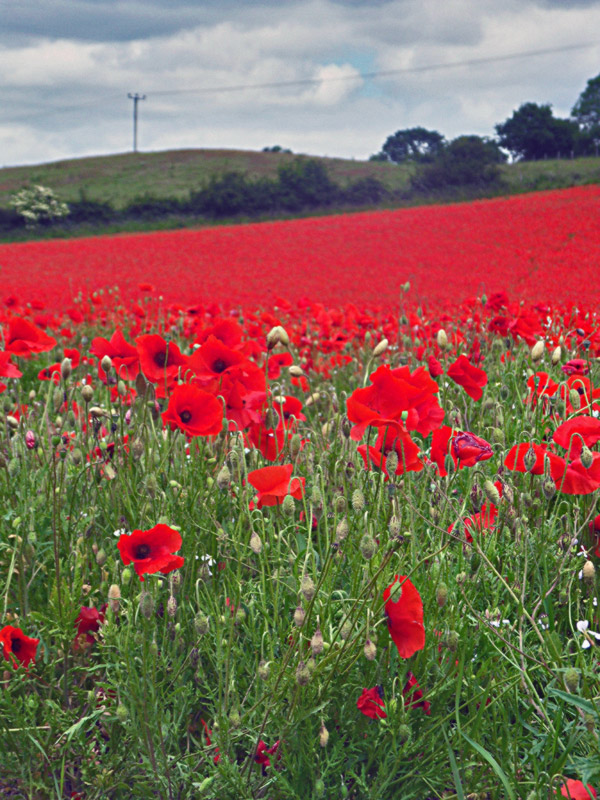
<point>537,351</point>
<point>299,617</point>
<point>201,623</point>
<point>368,546</point>
<point>307,587</point>
<point>172,606</point>
<point>224,477</point>
<point>358,500</point>
<point>341,531</point>
<point>146,605</point>
<point>323,735</point>
<point>548,487</point>
<point>256,543</point>
<point>451,641</point>
<point>346,630</point>
<point>491,492</point>
<point>391,462</point>
<point>571,678</point>
<point>589,573</point>
<point>295,445</point>
<point>288,506</point>
<point>575,399</point>
<point>442,339</point>
<point>556,355</point>
<point>587,458</point>
<point>302,674</point>
<point>316,643</point>
<point>529,459</point>
<point>441,594</point>
<point>66,367</point>
<point>404,733</point>
<point>370,650</point>
<point>263,670</point>
<point>114,595</point>
<point>380,349</point>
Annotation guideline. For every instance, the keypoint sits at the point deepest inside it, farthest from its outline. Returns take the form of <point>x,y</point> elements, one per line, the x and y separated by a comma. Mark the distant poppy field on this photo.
<point>304,509</point>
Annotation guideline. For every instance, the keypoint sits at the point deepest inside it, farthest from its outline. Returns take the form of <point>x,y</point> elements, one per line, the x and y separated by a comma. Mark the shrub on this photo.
<point>38,205</point>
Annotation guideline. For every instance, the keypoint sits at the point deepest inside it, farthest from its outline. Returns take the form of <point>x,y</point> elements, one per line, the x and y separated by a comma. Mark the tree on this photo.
<point>586,111</point>
<point>411,144</point>
<point>466,161</point>
<point>533,132</point>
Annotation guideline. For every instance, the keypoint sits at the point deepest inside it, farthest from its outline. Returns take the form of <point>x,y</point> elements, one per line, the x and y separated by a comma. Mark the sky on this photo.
<point>321,77</point>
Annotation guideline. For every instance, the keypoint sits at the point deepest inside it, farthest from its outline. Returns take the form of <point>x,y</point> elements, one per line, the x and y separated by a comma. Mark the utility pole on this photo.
<point>136,98</point>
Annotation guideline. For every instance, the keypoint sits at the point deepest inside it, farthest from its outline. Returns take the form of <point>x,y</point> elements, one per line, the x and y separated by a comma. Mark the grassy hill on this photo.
<point>118,179</point>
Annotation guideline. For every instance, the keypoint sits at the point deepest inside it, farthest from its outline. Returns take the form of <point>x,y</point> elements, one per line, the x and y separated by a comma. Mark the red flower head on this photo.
<point>540,385</point>
<point>471,378</point>
<point>17,647</point>
<point>160,360</point>
<point>124,356</point>
<point>152,550</point>
<point>571,432</point>
<point>212,359</point>
<point>274,483</point>
<point>392,437</point>
<point>405,617</point>
<point>577,790</point>
<point>24,338</point>
<point>194,411</point>
<point>263,752</point>
<point>469,449</point>
<point>413,696</point>
<point>371,704</point>
<point>576,366</point>
<point>89,621</point>
<point>434,367</point>
<point>7,368</point>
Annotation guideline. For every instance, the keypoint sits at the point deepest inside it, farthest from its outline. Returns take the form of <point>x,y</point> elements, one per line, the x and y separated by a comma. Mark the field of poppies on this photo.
<point>342,544</point>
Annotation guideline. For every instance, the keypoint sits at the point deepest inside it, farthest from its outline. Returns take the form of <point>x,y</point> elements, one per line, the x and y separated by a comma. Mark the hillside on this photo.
<point>118,179</point>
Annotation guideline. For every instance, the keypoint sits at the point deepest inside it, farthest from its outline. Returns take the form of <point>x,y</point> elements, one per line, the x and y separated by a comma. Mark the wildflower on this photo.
<point>371,704</point>
<point>576,366</point>
<point>151,551</point>
<point>88,621</point>
<point>17,647</point>
<point>583,627</point>
<point>194,411</point>
<point>274,483</point>
<point>471,378</point>
<point>263,752</point>
<point>469,449</point>
<point>577,790</point>
<point>23,338</point>
<point>413,695</point>
<point>405,617</point>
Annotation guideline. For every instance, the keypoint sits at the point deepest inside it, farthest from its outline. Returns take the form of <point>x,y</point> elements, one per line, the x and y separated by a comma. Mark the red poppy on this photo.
<point>274,483</point>
<point>471,378</point>
<point>434,367</point>
<point>482,521</point>
<point>23,338</point>
<point>160,360</point>
<point>576,366</point>
<point>371,703</point>
<point>124,356</point>
<point>413,696</point>
<point>208,734</point>
<point>17,647</point>
<point>152,550</point>
<point>88,621</point>
<point>540,385</point>
<point>276,363</point>
<point>194,411</point>
<point>574,478</point>
<point>263,752</point>
<point>405,617</point>
<point>515,460</point>
<point>469,449</point>
<point>212,359</point>
<point>392,437</point>
<point>570,433</point>
<point>577,790</point>
<point>7,368</point>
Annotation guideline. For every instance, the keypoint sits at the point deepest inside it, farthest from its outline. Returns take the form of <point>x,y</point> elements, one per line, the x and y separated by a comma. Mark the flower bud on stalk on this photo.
<point>146,605</point>
<point>370,650</point>
<point>307,587</point>
<point>323,735</point>
<point>575,399</point>
<point>537,351</point>
<point>556,355</point>
<point>589,573</point>
<point>442,339</point>
<point>316,643</point>
<point>529,459</point>
<point>302,674</point>
<point>491,492</point>
<point>66,368</point>
<point>587,458</point>
<point>380,349</point>
<point>114,595</point>
<point>299,616</point>
<point>358,500</point>
<point>571,678</point>
<point>441,595</point>
<point>255,543</point>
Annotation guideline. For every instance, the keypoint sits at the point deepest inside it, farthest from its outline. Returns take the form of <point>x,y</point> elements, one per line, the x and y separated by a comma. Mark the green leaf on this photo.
<point>493,764</point>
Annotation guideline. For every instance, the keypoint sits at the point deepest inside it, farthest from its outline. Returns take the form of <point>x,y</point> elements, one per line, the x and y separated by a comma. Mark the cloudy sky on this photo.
<point>324,77</point>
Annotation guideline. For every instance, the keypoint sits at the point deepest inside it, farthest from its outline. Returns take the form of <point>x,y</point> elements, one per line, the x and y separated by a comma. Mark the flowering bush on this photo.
<point>38,204</point>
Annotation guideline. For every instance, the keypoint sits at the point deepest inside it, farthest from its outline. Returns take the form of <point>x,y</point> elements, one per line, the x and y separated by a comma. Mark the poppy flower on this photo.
<point>152,550</point>
<point>540,385</point>
<point>570,433</point>
<point>413,695</point>
<point>124,356</point>
<point>274,483</point>
<point>390,438</point>
<point>263,752</point>
<point>194,411</point>
<point>471,378</point>
<point>469,449</point>
<point>23,338</point>
<point>371,704</point>
<point>88,621</point>
<point>515,460</point>
<point>208,734</point>
<point>434,367</point>
<point>160,360</point>
<point>17,647</point>
<point>482,521</point>
<point>405,617</point>
<point>574,478</point>
<point>577,790</point>
<point>7,368</point>
<point>576,366</point>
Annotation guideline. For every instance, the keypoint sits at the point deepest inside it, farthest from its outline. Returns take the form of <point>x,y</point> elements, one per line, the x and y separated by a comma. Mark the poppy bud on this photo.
<point>234,718</point>
<point>404,733</point>
<point>571,678</point>
<point>323,735</point>
<point>316,643</point>
<point>341,531</point>
<point>556,355</point>
<point>451,641</point>
<point>586,457</point>
<point>295,371</point>
<point>548,487</point>
<point>126,575</point>
<point>346,428</point>
<point>172,606</point>
<point>114,595</point>
<point>498,436</point>
<point>307,587</point>
<point>255,543</point>
<point>224,477</point>
<point>302,674</point>
<point>346,630</point>
<point>441,594</point>
<point>339,503</point>
<point>442,339</point>
<point>391,462</point>
<point>295,445</point>
<point>146,605</point>
<point>201,623</point>
<point>589,720</point>
<point>394,526</point>
<point>299,616</point>
<point>12,422</point>
<point>122,713</point>
<point>380,349</point>
<point>288,507</point>
<point>589,573</point>
<point>358,500</point>
<point>370,650</point>
<point>316,498</point>
<point>491,492</point>
<point>106,363</point>
<point>263,670</point>
<point>575,399</point>
<point>368,546</point>
<point>461,578</point>
<point>240,616</point>
<point>101,558</point>
<point>66,368</point>
<point>537,351</point>
<point>529,459</point>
